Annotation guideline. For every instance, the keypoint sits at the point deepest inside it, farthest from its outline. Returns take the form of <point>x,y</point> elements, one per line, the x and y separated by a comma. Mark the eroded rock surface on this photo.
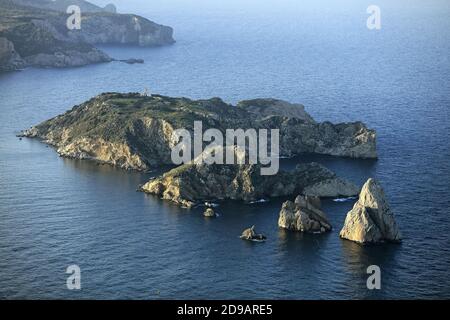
<point>35,33</point>
<point>9,58</point>
<point>304,215</point>
<point>192,183</point>
<point>371,219</point>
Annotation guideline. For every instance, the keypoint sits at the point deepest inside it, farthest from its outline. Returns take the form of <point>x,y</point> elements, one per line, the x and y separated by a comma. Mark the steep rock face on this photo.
<point>37,42</point>
<point>98,25</point>
<point>39,34</point>
<point>371,219</point>
<point>193,183</point>
<point>9,58</point>
<point>62,5</point>
<point>67,58</point>
<point>304,215</point>
<point>301,134</point>
<point>124,29</point>
<point>345,139</point>
<point>117,154</point>
<point>100,130</point>
<point>144,124</point>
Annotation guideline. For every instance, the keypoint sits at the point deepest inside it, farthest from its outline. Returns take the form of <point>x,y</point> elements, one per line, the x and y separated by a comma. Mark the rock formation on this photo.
<point>134,131</point>
<point>37,35</point>
<point>192,183</point>
<point>371,219</point>
<point>209,213</point>
<point>304,215</point>
<point>250,235</point>
<point>264,108</point>
<point>131,61</point>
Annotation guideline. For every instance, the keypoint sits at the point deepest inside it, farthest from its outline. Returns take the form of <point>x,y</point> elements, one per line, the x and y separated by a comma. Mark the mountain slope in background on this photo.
<point>38,36</point>
<point>62,5</point>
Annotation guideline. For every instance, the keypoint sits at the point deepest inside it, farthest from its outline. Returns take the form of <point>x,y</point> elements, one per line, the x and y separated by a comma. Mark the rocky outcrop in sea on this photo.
<point>134,131</point>
<point>371,219</point>
<point>251,235</point>
<point>304,215</point>
<point>209,213</point>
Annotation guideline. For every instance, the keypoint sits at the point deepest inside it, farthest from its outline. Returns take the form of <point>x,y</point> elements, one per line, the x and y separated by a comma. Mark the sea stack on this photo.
<point>371,219</point>
<point>304,215</point>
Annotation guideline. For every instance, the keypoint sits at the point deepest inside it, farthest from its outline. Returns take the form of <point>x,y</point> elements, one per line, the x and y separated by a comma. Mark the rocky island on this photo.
<point>191,184</point>
<point>34,33</point>
<point>134,131</point>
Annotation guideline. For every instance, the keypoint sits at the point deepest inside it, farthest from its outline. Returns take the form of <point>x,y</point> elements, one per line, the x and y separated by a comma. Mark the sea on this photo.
<point>57,212</point>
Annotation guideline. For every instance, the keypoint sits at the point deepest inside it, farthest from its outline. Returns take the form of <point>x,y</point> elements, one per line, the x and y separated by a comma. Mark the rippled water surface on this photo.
<point>56,212</point>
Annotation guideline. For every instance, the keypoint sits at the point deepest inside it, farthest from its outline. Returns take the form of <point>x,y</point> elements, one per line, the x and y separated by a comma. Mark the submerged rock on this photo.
<point>193,183</point>
<point>250,235</point>
<point>371,219</point>
<point>9,58</point>
<point>304,215</point>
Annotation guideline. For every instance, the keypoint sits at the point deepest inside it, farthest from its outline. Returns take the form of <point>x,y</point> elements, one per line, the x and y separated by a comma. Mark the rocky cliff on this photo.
<point>135,132</point>
<point>194,183</point>
<point>124,29</point>
<point>9,58</point>
<point>371,219</point>
<point>37,30</point>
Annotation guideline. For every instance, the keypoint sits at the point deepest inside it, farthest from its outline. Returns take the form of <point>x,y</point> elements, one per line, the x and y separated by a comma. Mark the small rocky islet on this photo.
<point>304,215</point>
<point>134,131</point>
<point>209,213</point>
<point>251,235</point>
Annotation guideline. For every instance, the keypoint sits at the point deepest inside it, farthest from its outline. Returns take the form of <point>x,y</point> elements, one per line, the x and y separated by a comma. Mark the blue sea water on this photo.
<point>56,212</point>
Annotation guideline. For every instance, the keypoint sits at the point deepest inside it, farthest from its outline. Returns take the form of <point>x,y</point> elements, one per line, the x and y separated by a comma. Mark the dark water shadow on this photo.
<point>357,258</point>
